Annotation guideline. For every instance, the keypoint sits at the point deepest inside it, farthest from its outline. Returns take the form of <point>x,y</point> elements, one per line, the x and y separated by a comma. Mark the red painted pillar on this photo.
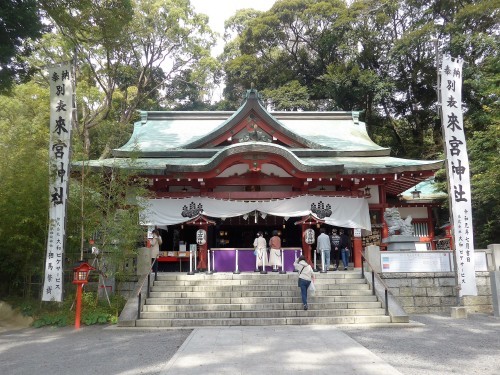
<point>357,246</point>
<point>78,310</point>
<point>430,228</point>
<point>203,250</point>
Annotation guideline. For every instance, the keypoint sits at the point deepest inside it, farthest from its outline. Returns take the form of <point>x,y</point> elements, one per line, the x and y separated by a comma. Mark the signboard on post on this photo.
<point>61,113</point>
<point>458,173</point>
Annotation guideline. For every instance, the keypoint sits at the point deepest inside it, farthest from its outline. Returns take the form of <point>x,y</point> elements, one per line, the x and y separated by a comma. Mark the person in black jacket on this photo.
<point>335,240</point>
<point>345,247</point>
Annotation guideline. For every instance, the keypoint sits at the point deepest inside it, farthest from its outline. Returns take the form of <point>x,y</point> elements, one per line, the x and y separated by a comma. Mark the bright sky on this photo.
<point>219,11</point>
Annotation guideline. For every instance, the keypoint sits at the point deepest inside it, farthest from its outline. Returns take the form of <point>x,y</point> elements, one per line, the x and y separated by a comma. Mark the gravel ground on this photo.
<point>437,345</point>
<point>100,350</point>
<point>442,345</point>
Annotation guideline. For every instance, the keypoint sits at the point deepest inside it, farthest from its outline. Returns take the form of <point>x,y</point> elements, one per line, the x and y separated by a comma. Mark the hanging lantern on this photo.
<point>309,236</point>
<point>81,273</point>
<point>201,237</point>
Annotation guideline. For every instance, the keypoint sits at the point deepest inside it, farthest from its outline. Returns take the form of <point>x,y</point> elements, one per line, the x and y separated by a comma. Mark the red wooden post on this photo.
<point>78,311</point>
<point>202,263</point>
<point>306,248</point>
<point>80,277</point>
<point>357,246</point>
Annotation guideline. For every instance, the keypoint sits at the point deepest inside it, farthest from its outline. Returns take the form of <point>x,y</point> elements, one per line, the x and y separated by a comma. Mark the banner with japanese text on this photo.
<point>458,173</point>
<point>61,111</point>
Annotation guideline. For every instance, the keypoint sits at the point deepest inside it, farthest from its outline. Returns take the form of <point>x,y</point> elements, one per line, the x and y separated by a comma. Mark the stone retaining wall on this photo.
<point>421,293</point>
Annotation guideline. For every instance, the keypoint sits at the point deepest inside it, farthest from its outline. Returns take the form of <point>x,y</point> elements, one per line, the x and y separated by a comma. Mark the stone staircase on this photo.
<point>252,299</point>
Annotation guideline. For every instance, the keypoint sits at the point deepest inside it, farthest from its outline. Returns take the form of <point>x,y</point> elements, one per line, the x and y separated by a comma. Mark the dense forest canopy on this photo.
<point>378,56</point>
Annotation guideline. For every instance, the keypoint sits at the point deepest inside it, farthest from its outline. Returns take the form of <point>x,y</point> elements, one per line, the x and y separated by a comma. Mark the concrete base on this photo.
<point>399,243</point>
<point>459,312</point>
<point>143,261</point>
<point>400,319</point>
<point>495,292</point>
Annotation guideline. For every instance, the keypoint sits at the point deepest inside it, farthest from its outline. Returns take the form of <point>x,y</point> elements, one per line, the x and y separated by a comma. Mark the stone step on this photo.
<point>226,276</point>
<point>261,287</point>
<point>250,300</point>
<point>261,313</point>
<point>268,306</point>
<point>266,293</point>
<point>187,323</point>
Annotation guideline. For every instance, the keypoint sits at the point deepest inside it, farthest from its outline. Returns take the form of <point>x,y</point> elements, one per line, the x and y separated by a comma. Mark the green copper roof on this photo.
<point>158,133</point>
<point>332,142</point>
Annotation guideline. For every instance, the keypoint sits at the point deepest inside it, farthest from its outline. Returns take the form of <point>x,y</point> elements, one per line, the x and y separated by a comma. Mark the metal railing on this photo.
<point>139,292</point>
<point>374,274</point>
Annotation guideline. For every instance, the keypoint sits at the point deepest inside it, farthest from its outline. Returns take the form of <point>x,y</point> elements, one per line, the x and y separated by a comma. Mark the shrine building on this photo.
<point>236,173</point>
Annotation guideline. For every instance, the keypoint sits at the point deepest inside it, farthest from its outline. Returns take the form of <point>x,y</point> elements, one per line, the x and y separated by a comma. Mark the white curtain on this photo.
<point>346,212</point>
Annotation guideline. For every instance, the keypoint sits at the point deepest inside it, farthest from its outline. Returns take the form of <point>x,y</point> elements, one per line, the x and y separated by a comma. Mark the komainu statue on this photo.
<point>395,223</point>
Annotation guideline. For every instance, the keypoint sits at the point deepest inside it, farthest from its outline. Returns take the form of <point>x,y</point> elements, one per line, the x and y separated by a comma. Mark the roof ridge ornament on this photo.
<point>254,134</point>
<point>252,94</point>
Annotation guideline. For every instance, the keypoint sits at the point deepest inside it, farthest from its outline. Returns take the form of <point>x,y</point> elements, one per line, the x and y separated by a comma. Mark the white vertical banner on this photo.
<point>458,173</point>
<point>61,110</point>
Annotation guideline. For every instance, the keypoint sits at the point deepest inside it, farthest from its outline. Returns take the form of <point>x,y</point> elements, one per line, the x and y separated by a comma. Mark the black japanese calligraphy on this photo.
<point>60,90</point>
<point>452,103</point>
<point>451,85</point>
<point>455,146</point>
<point>459,193</point>
<point>453,122</point>
<point>65,75</point>
<point>61,106</point>
<point>458,170</point>
<point>60,126</point>
<point>58,149</point>
<point>57,196</point>
<point>61,172</point>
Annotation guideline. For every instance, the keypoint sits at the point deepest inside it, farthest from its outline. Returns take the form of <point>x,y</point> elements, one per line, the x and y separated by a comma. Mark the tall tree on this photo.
<point>128,52</point>
<point>19,20</point>
<point>378,56</point>
<point>24,115</point>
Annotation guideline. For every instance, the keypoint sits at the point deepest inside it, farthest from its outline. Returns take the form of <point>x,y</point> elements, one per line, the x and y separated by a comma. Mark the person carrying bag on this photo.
<point>306,278</point>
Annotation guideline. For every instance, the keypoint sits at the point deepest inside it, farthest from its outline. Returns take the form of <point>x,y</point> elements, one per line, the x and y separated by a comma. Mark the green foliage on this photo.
<point>380,57</point>
<point>24,118</point>
<point>94,311</point>
<point>19,20</point>
<point>289,97</point>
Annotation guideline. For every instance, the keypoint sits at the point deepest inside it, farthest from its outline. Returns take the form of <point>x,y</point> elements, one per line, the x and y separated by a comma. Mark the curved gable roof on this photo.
<point>161,133</point>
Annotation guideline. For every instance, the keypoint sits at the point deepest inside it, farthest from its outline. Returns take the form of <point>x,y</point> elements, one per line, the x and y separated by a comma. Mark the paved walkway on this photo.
<point>430,345</point>
<point>274,350</point>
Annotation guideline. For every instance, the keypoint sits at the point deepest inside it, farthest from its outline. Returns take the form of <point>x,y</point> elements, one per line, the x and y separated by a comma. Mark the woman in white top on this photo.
<point>260,245</point>
<point>306,275</point>
<point>155,248</point>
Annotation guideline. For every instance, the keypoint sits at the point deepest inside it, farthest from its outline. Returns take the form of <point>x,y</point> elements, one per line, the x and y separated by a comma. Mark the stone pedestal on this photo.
<point>372,254</point>
<point>459,312</point>
<point>400,242</point>
<point>495,292</point>
<point>143,261</point>
<point>495,250</point>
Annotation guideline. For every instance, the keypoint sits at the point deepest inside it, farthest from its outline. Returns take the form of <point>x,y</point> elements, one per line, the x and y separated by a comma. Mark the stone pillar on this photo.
<point>143,260</point>
<point>495,252</point>
<point>372,253</point>
<point>495,292</point>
